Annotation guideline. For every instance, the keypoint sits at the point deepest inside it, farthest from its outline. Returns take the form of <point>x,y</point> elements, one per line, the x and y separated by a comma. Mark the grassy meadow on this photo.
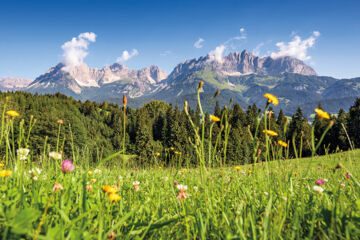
<point>279,198</point>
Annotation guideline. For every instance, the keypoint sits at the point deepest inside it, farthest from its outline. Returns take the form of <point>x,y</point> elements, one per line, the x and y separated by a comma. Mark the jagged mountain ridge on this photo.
<point>82,80</point>
<point>13,83</point>
<point>242,76</point>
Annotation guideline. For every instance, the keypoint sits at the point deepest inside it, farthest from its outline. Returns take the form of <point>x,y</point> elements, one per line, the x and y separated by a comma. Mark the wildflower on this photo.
<point>157,154</point>
<point>284,198</point>
<point>318,189</point>
<point>238,168</point>
<point>259,151</point>
<point>60,121</point>
<point>5,173</point>
<point>35,178</point>
<point>111,236</point>
<point>182,195</point>
<point>320,182</point>
<point>109,189</point>
<point>270,133</point>
<point>12,113</point>
<point>283,144</point>
<point>57,187</point>
<point>89,187</point>
<point>55,155</point>
<point>342,184</point>
<point>175,182</point>
<point>172,148</point>
<point>90,173</point>
<point>114,197</point>
<point>2,165</point>
<point>195,188</point>
<point>208,169</point>
<point>295,174</point>
<point>214,118</point>
<point>249,172</point>
<point>136,185</point>
<point>120,178</point>
<point>325,180</point>
<point>165,178</point>
<point>321,114</point>
<point>347,176</point>
<point>35,171</point>
<point>22,153</point>
<point>266,193</point>
<point>97,171</point>
<point>136,169</point>
<point>124,100</point>
<point>271,99</point>
<point>210,178</point>
<point>93,180</point>
<point>67,166</point>
<point>201,83</point>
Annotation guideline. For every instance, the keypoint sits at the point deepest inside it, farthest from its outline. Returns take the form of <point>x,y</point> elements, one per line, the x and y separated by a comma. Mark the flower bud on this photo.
<point>124,100</point>
<point>217,93</point>
<point>201,83</point>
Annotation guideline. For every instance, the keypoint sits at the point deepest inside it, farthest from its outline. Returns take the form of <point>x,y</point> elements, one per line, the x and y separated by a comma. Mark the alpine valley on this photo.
<point>241,76</point>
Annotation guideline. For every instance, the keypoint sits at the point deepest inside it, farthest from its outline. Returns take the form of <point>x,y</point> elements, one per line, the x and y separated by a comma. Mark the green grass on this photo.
<point>230,204</point>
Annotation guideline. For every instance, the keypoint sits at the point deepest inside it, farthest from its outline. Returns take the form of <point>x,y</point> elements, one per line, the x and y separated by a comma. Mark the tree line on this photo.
<point>159,132</point>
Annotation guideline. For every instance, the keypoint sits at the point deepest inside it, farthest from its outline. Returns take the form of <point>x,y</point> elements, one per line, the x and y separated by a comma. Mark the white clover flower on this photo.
<point>23,153</point>
<point>165,178</point>
<point>55,155</point>
<point>120,178</point>
<point>181,187</point>
<point>195,188</point>
<point>318,189</point>
<point>35,171</point>
<point>136,183</point>
<point>97,171</point>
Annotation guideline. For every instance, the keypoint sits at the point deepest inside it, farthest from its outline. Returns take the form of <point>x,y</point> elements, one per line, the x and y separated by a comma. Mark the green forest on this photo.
<point>160,133</point>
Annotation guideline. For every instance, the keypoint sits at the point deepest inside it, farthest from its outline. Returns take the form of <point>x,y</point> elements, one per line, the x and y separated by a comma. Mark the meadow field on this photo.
<point>276,198</point>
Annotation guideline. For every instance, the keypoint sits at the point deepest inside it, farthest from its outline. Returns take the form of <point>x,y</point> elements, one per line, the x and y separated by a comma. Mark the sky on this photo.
<point>36,35</point>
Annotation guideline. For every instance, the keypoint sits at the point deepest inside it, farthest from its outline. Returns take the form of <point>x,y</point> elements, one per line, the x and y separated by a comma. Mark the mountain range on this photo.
<point>241,76</point>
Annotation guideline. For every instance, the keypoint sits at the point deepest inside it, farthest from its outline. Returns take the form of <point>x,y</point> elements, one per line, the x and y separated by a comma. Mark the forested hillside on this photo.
<point>161,132</point>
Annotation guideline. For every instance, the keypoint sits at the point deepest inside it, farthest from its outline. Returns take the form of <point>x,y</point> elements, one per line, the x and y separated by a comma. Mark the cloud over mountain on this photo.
<point>198,43</point>
<point>76,50</point>
<point>126,55</point>
<point>297,47</point>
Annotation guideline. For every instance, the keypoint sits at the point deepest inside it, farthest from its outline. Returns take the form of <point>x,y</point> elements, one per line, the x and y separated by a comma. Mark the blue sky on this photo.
<point>325,33</point>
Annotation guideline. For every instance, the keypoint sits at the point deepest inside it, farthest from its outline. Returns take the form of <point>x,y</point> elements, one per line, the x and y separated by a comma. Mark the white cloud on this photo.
<point>126,55</point>
<point>256,50</point>
<point>76,50</point>
<point>297,47</point>
<point>166,53</point>
<point>198,43</point>
<point>217,53</point>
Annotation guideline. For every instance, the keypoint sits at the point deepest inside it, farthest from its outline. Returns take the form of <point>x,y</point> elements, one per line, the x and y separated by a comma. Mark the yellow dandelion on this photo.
<point>90,173</point>
<point>2,165</point>
<point>321,114</point>
<point>114,197</point>
<point>271,99</point>
<point>109,189</point>
<point>157,154</point>
<point>295,174</point>
<point>238,168</point>
<point>12,113</point>
<point>270,133</point>
<point>283,144</point>
<point>249,172</point>
<point>5,173</point>
<point>214,118</point>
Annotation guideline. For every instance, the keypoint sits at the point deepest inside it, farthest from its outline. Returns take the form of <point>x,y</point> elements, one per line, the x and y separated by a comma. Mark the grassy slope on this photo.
<point>227,203</point>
